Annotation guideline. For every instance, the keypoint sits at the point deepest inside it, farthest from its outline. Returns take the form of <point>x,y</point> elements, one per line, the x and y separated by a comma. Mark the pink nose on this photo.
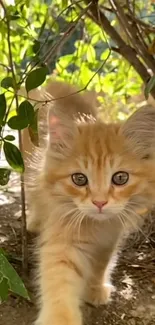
<point>100,204</point>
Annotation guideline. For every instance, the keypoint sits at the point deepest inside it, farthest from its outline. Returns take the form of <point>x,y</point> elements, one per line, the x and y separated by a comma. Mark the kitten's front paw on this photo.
<point>100,295</point>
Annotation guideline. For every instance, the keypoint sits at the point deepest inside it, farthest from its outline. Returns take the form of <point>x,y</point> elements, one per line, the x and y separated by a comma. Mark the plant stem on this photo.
<point>23,230</point>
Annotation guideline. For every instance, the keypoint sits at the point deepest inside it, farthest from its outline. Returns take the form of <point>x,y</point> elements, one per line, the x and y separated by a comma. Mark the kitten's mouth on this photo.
<point>100,215</point>
<point>100,211</point>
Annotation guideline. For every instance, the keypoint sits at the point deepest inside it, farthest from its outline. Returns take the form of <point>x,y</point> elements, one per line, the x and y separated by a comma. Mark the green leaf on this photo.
<point>36,78</point>
<point>16,124</point>
<point>4,176</point>
<point>33,136</point>
<point>91,54</point>
<point>1,275</point>
<point>15,284</point>
<point>13,157</point>
<point>34,123</point>
<point>22,22</point>
<point>7,83</point>
<point>64,3</point>
<point>9,138</point>
<point>24,118</point>
<point>2,107</point>
<point>36,46</point>
<point>42,27</point>
<point>26,112</point>
<point>4,288</point>
<point>150,85</point>
<point>14,17</point>
<point>33,129</point>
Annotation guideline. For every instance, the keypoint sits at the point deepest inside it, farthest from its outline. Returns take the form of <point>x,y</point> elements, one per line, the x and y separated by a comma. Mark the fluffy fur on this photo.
<point>78,244</point>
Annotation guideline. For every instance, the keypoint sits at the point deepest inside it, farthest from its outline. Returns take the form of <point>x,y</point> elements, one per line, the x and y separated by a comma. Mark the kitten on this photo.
<point>90,184</point>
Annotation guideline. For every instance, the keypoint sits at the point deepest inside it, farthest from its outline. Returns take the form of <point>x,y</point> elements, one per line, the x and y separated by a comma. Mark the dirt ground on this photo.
<point>133,302</point>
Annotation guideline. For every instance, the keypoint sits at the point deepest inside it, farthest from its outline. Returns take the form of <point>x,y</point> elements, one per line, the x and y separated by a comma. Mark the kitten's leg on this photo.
<point>62,284</point>
<point>99,287</point>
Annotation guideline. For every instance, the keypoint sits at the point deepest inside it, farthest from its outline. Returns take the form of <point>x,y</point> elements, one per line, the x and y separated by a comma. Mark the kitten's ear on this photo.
<point>62,131</point>
<point>139,130</point>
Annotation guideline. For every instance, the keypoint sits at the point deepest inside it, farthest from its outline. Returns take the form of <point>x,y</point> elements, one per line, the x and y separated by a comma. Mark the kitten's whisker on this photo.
<point>73,220</point>
<point>80,223</point>
<point>135,226</point>
<point>123,222</point>
<point>69,212</point>
<point>70,225</point>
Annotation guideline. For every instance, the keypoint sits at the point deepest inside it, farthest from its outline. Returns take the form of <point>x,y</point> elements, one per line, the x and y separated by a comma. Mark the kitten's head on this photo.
<point>102,170</point>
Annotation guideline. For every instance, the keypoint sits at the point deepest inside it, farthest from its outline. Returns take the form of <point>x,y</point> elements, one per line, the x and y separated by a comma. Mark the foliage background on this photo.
<point>38,35</point>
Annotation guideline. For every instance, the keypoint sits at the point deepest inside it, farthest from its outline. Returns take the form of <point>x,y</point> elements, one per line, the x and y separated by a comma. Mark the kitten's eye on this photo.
<point>120,178</point>
<point>79,179</point>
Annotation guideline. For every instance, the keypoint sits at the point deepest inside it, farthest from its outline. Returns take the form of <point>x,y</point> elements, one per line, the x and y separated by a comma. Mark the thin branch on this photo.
<point>57,47</point>
<point>106,9</point>
<point>6,67</point>
<point>133,35</point>
<point>24,74</point>
<point>144,25</point>
<point>115,49</point>
<point>7,113</point>
<point>54,49</point>
<point>126,51</point>
<point>139,27</point>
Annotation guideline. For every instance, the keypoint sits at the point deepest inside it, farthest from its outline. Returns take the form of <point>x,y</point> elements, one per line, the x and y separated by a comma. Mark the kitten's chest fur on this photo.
<point>96,240</point>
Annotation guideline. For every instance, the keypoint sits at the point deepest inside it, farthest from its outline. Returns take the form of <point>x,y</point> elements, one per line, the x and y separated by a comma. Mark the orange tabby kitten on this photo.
<point>90,181</point>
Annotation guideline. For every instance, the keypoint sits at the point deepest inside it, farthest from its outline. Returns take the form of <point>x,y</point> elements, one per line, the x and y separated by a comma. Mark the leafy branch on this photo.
<point>129,52</point>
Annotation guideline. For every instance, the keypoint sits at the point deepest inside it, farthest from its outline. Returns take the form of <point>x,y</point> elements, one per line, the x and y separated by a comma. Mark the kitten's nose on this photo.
<point>99,204</point>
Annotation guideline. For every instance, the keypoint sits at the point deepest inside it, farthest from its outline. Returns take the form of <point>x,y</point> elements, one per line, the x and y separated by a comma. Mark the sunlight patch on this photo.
<point>4,199</point>
<point>127,292</point>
